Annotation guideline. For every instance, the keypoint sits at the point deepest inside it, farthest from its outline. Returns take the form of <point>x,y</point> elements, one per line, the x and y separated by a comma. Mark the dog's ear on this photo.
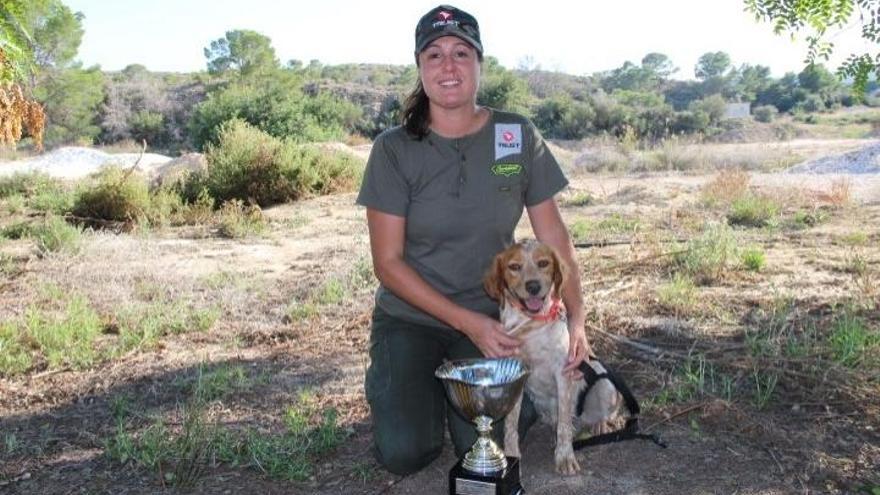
<point>493,281</point>
<point>559,270</point>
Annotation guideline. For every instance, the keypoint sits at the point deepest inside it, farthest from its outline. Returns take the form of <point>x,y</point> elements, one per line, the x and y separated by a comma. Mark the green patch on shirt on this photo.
<point>507,169</point>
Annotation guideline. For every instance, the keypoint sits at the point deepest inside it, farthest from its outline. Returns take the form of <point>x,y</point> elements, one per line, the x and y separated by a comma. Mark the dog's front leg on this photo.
<point>511,429</point>
<point>566,463</point>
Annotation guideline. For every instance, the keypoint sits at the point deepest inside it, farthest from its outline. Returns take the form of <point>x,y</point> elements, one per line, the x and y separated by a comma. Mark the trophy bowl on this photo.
<point>483,391</point>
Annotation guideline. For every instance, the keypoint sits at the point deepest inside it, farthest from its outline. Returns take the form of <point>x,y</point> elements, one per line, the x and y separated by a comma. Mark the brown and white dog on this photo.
<point>527,280</point>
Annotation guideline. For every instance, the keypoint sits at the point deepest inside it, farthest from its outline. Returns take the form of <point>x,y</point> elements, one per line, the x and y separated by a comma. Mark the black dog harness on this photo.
<point>630,430</point>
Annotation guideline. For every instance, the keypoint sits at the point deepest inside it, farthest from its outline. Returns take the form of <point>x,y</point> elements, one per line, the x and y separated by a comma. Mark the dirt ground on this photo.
<point>810,437</point>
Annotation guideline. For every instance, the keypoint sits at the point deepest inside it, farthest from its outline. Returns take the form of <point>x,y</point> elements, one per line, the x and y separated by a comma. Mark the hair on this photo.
<point>416,109</point>
<point>416,112</point>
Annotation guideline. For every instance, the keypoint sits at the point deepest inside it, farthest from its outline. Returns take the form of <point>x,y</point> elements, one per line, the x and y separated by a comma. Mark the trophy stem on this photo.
<point>484,457</point>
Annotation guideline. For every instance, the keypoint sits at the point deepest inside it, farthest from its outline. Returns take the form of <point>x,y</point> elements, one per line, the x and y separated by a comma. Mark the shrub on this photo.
<point>753,259</point>
<point>239,220</point>
<point>55,235</point>
<point>753,211</point>
<point>678,295</point>
<point>765,113</point>
<point>727,186</point>
<point>250,165</point>
<point>115,195</point>
<point>708,257</point>
<point>27,184</point>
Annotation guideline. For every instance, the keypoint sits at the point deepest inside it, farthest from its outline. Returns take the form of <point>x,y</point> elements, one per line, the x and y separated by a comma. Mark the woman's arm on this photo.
<point>549,228</point>
<point>386,245</point>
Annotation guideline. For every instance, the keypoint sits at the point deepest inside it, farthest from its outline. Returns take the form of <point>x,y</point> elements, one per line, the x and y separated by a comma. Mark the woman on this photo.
<point>444,193</point>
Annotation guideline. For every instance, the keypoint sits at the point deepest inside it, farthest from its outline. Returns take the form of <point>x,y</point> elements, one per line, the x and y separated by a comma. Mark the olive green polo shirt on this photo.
<point>462,199</point>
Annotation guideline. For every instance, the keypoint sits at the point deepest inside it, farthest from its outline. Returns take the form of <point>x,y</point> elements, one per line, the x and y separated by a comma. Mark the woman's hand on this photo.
<point>489,337</point>
<point>578,350</point>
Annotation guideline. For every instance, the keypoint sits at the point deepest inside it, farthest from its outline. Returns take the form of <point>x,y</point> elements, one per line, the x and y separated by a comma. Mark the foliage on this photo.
<point>241,50</point>
<point>116,195</point>
<point>708,257</point>
<point>561,117</point>
<point>753,211</point>
<point>66,339</point>
<point>250,165</point>
<point>54,235</point>
<point>276,104</point>
<point>816,18</point>
<point>72,97</point>
<point>711,65</point>
<point>765,113</point>
<point>502,89</point>
<point>753,259</point>
<point>238,220</point>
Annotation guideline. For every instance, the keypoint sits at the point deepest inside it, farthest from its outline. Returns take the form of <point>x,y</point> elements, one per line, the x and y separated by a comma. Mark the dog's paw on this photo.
<point>567,464</point>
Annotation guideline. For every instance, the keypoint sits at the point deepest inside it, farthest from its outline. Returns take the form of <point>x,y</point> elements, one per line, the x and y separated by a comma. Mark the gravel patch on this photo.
<point>75,162</point>
<point>864,160</point>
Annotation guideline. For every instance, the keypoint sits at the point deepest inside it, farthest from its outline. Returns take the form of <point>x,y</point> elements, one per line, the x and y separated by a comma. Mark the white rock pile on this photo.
<point>861,161</point>
<point>75,162</point>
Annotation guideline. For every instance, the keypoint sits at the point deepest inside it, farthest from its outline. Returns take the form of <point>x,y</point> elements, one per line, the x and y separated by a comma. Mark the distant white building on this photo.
<point>737,111</point>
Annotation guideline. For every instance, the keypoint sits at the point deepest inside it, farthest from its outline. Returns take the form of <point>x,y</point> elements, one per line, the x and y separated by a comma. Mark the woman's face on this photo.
<point>450,72</point>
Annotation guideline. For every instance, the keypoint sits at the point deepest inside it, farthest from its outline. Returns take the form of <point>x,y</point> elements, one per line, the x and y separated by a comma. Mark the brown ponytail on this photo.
<point>416,112</point>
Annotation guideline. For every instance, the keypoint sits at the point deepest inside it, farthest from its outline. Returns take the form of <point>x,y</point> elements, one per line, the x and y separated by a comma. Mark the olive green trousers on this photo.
<point>408,404</point>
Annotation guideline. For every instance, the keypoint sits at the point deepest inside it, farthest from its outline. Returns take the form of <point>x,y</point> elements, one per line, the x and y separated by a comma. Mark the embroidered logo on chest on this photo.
<point>506,169</point>
<point>508,140</point>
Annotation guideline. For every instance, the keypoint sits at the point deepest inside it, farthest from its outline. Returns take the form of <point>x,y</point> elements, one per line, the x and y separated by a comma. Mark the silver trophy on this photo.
<point>484,391</point>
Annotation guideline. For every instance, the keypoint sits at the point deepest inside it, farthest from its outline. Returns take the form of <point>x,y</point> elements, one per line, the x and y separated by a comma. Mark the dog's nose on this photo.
<point>533,287</point>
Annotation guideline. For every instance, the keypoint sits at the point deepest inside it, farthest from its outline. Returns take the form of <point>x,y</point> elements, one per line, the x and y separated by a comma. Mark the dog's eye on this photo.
<point>514,267</point>
<point>543,263</point>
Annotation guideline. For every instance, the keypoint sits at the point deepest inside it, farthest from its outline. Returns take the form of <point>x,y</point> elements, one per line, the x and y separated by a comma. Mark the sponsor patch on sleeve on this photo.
<point>508,140</point>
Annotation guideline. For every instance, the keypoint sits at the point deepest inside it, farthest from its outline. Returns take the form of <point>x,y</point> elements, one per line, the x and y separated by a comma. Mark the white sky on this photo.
<point>573,36</point>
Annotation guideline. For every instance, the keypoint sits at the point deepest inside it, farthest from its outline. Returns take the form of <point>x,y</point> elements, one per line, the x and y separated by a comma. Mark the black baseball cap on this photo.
<point>446,20</point>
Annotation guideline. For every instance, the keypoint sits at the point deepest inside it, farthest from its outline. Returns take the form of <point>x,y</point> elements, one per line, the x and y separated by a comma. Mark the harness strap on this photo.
<point>630,431</point>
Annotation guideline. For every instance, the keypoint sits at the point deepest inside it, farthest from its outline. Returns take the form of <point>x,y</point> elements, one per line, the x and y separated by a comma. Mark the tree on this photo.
<point>816,18</point>
<point>241,50</point>
<point>748,81</point>
<point>711,64</point>
<point>659,65</point>
<point>17,111</point>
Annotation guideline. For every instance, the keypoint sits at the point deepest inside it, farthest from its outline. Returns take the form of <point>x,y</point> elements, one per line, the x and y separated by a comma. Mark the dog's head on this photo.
<point>527,274</point>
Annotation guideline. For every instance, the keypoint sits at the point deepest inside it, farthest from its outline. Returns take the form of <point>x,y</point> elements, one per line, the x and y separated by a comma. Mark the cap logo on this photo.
<point>444,16</point>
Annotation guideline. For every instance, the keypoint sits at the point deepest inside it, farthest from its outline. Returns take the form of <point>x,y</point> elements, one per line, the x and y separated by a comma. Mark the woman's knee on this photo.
<point>405,458</point>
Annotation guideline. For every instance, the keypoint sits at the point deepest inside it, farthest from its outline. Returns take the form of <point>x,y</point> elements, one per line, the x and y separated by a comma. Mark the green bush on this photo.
<point>710,256</point>
<point>753,211</point>
<point>753,259</point>
<point>114,195</point>
<point>238,220</point>
<point>276,105</point>
<point>55,235</point>
<point>765,113</point>
<point>249,165</point>
<point>27,184</point>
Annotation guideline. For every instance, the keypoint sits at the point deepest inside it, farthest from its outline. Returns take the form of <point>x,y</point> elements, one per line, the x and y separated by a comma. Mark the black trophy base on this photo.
<point>506,482</point>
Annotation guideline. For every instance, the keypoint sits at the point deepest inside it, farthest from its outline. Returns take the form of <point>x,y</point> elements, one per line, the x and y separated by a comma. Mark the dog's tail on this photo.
<point>631,430</point>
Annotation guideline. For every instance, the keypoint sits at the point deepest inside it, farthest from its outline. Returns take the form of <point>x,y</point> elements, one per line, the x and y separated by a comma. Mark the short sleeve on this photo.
<point>384,187</point>
<point>545,175</point>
